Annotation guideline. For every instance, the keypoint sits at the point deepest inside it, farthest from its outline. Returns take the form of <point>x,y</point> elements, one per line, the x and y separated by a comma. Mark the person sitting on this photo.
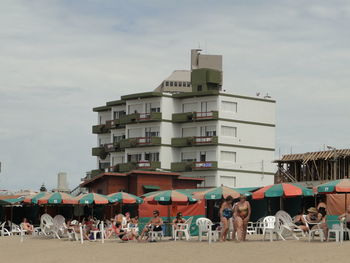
<point>346,217</point>
<point>155,224</point>
<point>299,221</point>
<point>89,225</point>
<point>312,218</point>
<point>124,235</point>
<point>29,228</point>
<point>178,220</point>
<point>127,218</point>
<point>322,206</point>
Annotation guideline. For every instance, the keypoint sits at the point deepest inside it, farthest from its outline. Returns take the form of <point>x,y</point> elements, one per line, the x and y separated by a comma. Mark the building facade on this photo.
<point>198,131</point>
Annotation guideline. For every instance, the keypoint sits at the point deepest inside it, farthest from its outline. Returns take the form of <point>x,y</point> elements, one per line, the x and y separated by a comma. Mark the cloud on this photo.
<point>61,58</point>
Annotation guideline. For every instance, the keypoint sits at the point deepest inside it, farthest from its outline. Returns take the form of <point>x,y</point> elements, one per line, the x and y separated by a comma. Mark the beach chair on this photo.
<point>14,229</point>
<point>4,231</point>
<point>183,228</point>
<point>270,226</point>
<point>205,229</point>
<point>99,229</point>
<point>60,226</point>
<point>154,235</point>
<point>315,231</point>
<point>251,229</point>
<point>259,225</point>
<point>286,225</point>
<point>47,226</point>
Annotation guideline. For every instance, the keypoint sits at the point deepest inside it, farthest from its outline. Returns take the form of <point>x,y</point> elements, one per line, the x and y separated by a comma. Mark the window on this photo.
<point>100,121</point>
<point>184,84</point>
<point>180,84</point>
<point>134,157</point>
<point>188,84</point>
<point>152,132</point>
<point>208,131</point>
<point>229,106</point>
<point>202,156</point>
<point>118,138</point>
<point>171,83</point>
<point>152,107</point>
<point>227,156</point>
<point>229,181</point>
<point>189,107</point>
<point>207,106</point>
<point>200,87</point>
<point>134,133</point>
<point>118,114</point>
<point>152,157</point>
<point>175,84</point>
<point>135,108</point>
<point>229,131</point>
<point>188,157</point>
<point>189,132</point>
<point>167,83</point>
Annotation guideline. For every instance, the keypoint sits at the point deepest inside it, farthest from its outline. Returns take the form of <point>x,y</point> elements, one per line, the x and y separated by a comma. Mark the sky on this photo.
<point>59,59</point>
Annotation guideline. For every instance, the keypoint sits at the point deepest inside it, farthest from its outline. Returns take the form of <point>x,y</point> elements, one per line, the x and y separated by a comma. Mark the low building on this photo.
<point>314,168</point>
<point>138,182</point>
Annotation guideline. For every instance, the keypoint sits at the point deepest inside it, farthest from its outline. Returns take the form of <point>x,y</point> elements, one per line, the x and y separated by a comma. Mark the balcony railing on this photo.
<point>140,142</point>
<point>193,166</point>
<point>99,151</point>
<point>209,165</point>
<point>144,165</point>
<point>195,116</point>
<point>100,129</point>
<point>140,117</point>
<point>194,141</point>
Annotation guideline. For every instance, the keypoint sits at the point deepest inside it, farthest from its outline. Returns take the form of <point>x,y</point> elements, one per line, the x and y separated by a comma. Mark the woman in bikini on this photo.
<point>242,213</point>
<point>178,220</point>
<point>226,214</point>
<point>27,226</point>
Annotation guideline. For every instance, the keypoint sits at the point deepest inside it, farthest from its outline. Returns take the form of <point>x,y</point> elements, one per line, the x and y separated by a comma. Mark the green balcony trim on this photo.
<point>247,147</point>
<point>141,95</point>
<point>214,166</point>
<point>101,108</point>
<point>196,94</point>
<point>248,122</point>
<point>181,167</point>
<point>100,152</point>
<point>100,129</point>
<point>136,118</point>
<point>134,142</point>
<point>127,167</point>
<point>182,117</point>
<point>96,172</point>
<point>191,141</point>
<point>116,103</point>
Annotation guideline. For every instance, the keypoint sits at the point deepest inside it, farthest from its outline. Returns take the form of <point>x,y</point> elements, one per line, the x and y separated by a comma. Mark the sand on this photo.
<point>52,250</point>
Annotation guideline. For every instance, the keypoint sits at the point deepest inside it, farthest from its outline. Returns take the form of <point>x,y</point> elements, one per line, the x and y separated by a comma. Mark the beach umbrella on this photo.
<point>337,186</point>
<point>33,199</point>
<point>169,197</point>
<point>282,190</point>
<point>58,198</point>
<point>93,198</point>
<point>219,193</point>
<point>11,201</point>
<point>125,198</point>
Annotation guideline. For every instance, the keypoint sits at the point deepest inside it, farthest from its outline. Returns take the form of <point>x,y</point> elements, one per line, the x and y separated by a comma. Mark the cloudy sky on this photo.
<point>58,59</point>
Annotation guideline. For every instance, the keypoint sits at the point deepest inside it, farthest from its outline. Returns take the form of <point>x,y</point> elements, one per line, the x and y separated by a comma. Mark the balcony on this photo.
<point>99,151</point>
<point>100,129</point>
<point>95,173</point>
<point>193,166</point>
<point>144,165</point>
<point>204,166</point>
<point>114,124</point>
<point>140,142</point>
<point>194,141</point>
<point>195,116</point>
<point>140,117</point>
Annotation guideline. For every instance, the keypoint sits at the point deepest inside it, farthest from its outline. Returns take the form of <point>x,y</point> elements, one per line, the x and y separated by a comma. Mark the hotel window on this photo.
<point>152,132</point>
<point>229,106</point>
<point>189,132</point>
<point>208,131</point>
<point>189,107</point>
<point>227,156</point>
<point>227,131</point>
<point>171,83</point>
<point>134,133</point>
<point>152,157</point>
<point>175,84</point>
<point>134,157</point>
<point>167,83</point>
<point>188,157</point>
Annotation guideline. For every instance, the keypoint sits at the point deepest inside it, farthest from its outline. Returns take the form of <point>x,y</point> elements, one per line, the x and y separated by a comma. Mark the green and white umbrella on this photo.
<point>219,193</point>
<point>58,198</point>
<point>125,198</point>
<point>169,197</point>
<point>93,198</point>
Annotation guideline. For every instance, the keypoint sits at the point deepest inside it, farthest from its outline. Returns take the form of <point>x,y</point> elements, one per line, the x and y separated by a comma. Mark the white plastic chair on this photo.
<point>154,235</point>
<point>316,230</point>
<point>251,229</point>
<point>270,226</point>
<point>14,229</point>
<point>205,229</point>
<point>47,226</point>
<point>183,228</point>
<point>60,226</point>
<point>4,231</point>
<point>286,225</point>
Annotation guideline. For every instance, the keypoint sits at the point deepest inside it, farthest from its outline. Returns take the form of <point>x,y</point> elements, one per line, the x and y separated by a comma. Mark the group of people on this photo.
<point>236,213</point>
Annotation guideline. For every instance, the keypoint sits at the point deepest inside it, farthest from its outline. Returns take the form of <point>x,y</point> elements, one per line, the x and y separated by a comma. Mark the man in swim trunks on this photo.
<point>155,224</point>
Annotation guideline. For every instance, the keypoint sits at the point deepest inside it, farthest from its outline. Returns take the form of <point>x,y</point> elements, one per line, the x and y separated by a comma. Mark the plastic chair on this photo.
<point>183,228</point>
<point>205,228</point>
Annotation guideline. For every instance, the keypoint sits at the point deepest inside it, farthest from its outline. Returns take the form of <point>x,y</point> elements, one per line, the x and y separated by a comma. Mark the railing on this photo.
<point>140,141</point>
<point>142,165</point>
<point>287,175</point>
<point>206,115</point>
<point>209,165</point>
<point>205,140</point>
<point>99,129</point>
<point>194,141</point>
<point>140,117</point>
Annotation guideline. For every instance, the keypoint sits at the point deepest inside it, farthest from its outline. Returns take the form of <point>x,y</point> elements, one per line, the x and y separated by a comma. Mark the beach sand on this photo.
<point>37,250</point>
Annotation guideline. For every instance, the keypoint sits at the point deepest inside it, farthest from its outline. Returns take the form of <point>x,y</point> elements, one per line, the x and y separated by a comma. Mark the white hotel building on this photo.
<point>188,125</point>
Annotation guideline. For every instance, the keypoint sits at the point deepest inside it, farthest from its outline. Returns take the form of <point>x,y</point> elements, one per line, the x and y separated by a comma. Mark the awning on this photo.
<point>151,187</point>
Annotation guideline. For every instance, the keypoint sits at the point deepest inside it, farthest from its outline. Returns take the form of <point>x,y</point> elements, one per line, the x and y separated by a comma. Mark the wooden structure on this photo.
<point>314,167</point>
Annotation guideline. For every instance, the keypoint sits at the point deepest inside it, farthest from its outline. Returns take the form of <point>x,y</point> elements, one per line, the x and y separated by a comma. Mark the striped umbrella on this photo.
<point>220,193</point>
<point>33,199</point>
<point>337,186</point>
<point>169,197</point>
<point>57,198</point>
<point>93,198</point>
<point>282,190</point>
<point>125,198</point>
